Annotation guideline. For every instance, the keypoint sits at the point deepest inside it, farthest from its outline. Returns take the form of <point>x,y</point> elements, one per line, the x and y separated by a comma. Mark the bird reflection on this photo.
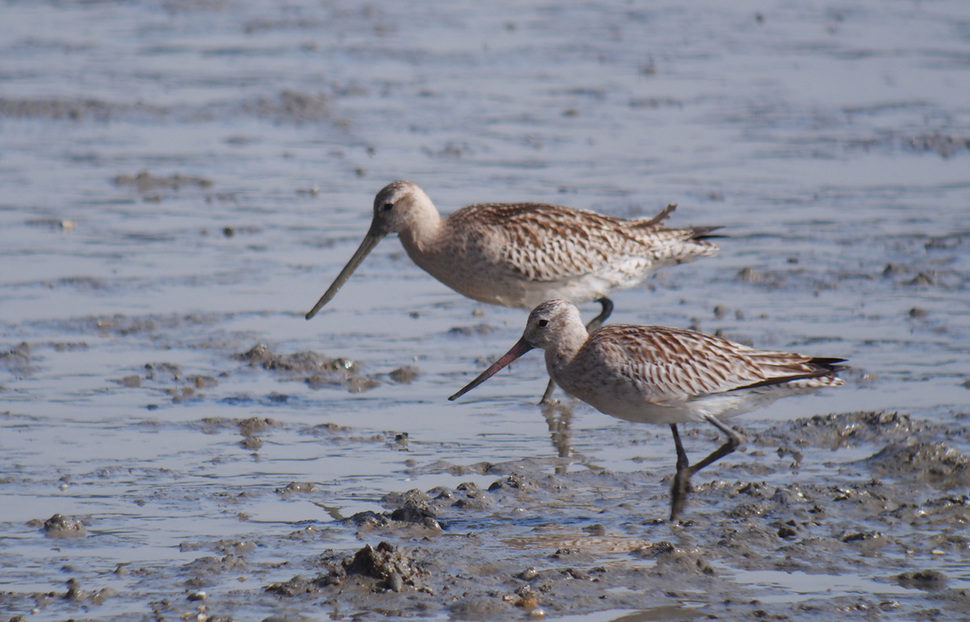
<point>559,418</point>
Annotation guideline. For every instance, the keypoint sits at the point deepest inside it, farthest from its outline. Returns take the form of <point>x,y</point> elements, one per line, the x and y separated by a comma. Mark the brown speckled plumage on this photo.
<point>657,374</point>
<point>542,242</point>
<point>679,375</point>
<point>519,254</point>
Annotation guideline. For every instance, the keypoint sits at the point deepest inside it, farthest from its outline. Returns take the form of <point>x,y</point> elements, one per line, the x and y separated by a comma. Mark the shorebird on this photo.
<point>520,254</point>
<point>656,374</point>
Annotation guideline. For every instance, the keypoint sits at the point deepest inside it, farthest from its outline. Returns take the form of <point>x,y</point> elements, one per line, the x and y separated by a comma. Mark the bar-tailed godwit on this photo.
<point>520,254</point>
<point>655,374</point>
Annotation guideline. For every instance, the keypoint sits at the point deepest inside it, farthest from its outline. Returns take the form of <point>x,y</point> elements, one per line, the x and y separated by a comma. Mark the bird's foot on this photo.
<point>547,395</point>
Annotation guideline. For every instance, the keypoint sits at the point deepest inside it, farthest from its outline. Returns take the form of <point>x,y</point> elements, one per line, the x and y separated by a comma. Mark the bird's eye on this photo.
<point>543,323</point>
<point>388,207</point>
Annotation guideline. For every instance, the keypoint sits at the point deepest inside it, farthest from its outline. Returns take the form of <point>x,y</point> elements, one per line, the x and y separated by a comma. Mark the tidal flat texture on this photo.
<point>182,179</point>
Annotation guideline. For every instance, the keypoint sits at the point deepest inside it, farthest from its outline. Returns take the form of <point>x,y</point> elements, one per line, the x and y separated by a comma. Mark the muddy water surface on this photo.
<point>181,180</point>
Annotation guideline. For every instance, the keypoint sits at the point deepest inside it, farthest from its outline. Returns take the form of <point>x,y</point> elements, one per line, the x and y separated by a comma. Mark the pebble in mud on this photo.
<point>202,381</point>
<point>95,597</point>
<point>261,355</point>
<point>918,313</point>
<point>678,561</point>
<point>204,570</point>
<point>413,513</point>
<point>921,280</point>
<point>381,568</point>
<point>404,375</point>
<point>17,359</point>
<point>469,331</point>
<point>170,370</point>
<point>471,497</point>
<point>295,488</point>
<point>59,526</point>
<point>355,384</point>
<point>515,481</point>
<point>930,580</point>
<point>73,594</point>
<point>417,513</point>
<point>132,382</point>
<point>250,428</point>
<point>255,425</point>
<point>291,106</point>
<point>147,182</point>
<point>316,370</point>
<point>400,441</point>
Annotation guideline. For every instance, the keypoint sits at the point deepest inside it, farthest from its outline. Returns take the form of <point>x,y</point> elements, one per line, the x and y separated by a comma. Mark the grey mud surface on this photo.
<point>182,179</point>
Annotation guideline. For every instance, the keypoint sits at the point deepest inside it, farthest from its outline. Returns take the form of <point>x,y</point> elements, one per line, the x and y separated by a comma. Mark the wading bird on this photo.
<point>656,374</point>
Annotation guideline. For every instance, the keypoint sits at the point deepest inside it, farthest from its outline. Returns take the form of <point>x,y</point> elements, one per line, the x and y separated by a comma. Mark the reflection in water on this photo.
<point>559,418</point>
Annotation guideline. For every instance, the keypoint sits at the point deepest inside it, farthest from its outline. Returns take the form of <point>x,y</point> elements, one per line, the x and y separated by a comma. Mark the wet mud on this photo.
<point>494,552</point>
<point>182,178</point>
<point>617,552</point>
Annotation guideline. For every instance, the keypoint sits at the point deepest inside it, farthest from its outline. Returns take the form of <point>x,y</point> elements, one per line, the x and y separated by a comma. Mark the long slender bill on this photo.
<point>370,241</point>
<point>521,347</point>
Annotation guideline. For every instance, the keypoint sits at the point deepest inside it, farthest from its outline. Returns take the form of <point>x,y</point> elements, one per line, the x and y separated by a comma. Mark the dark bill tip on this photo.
<point>366,246</point>
<point>521,347</point>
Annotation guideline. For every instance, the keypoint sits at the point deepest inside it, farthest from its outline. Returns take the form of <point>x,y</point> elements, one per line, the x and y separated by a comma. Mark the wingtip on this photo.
<point>831,363</point>
<point>707,232</point>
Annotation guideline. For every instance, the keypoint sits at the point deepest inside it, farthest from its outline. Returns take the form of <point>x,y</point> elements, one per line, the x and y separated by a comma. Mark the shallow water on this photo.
<point>830,141</point>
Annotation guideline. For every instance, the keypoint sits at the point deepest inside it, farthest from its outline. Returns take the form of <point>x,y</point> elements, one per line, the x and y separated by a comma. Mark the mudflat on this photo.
<point>181,180</point>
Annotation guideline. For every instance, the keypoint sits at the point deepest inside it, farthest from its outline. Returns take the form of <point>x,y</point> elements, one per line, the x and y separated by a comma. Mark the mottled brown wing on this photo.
<point>543,242</point>
<point>672,365</point>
